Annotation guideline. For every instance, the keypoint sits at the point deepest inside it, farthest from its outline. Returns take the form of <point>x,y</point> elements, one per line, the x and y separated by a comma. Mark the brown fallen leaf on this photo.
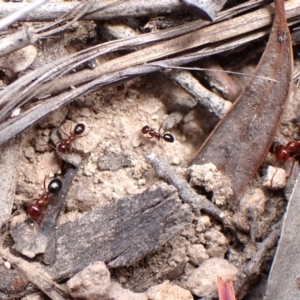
<point>225,289</point>
<point>241,140</point>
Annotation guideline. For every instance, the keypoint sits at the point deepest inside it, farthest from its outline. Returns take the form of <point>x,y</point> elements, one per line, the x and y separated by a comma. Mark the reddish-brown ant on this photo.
<point>152,133</point>
<point>37,208</point>
<point>66,145</point>
<point>283,153</point>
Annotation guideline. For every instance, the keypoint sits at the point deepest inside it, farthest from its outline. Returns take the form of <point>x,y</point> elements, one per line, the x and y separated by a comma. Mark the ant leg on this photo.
<point>273,176</point>
<point>10,217</point>
<point>51,146</point>
<point>62,130</point>
<point>294,159</point>
<point>45,184</point>
<point>290,136</point>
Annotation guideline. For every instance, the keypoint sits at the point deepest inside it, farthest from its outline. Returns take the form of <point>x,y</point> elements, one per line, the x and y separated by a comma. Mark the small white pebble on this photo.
<point>51,175</point>
<point>115,196</point>
<point>176,160</point>
<point>15,113</point>
<point>141,181</point>
<point>87,173</point>
<point>275,178</point>
<point>7,265</point>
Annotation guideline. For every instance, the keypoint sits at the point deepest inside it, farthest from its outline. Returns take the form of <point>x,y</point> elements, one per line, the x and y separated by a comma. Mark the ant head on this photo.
<point>168,138</point>
<point>79,129</point>
<point>55,186</point>
<point>145,129</point>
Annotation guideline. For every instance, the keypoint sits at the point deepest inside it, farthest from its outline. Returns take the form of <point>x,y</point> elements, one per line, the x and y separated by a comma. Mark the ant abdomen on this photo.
<point>167,137</point>
<point>79,129</point>
<point>55,186</point>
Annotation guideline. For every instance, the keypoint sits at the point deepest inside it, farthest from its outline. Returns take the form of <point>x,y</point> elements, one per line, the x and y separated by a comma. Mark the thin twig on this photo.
<point>186,193</point>
<point>214,104</point>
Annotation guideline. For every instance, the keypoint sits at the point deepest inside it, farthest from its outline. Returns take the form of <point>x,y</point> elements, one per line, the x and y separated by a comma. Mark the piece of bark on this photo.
<point>242,139</point>
<point>120,233</point>
<point>9,166</point>
<point>32,239</point>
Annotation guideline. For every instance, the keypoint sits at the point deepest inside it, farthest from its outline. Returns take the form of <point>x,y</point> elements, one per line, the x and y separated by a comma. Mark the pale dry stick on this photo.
<point>36,275</point>
<point>186,193</point>
<point>103,10</point>
<point>22,38</point>
<point>212,102</point>
<point>20,13</point>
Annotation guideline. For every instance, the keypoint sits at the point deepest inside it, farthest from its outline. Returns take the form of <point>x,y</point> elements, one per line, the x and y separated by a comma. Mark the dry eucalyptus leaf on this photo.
<point>242,139</point>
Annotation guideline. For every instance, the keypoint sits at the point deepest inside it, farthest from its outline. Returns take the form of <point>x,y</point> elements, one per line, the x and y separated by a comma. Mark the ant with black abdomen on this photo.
<point>38,206</point>
<point>67,144</point>
<point>152,133</point>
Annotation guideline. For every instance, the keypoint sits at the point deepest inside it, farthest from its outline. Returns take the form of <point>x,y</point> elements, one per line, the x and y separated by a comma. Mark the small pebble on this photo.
<point>141,181</point>
<point>7,265</point>
<point>275,178</point>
